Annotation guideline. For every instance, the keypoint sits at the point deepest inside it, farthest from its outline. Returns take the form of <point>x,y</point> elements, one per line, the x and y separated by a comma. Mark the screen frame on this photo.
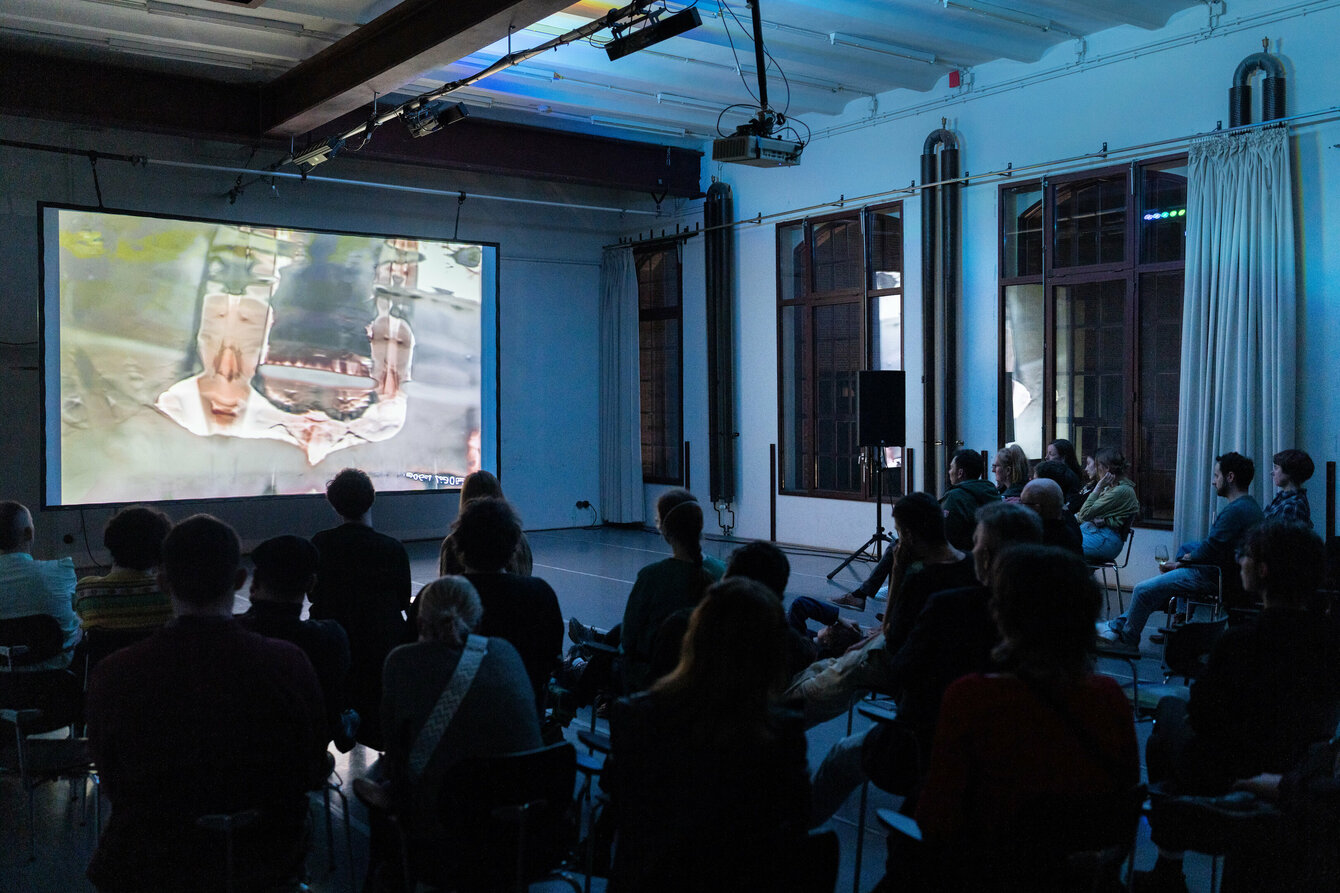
<point>48,253</point>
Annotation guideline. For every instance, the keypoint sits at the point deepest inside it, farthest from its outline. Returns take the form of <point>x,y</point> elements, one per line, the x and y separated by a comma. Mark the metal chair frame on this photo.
<point>1102,568</point>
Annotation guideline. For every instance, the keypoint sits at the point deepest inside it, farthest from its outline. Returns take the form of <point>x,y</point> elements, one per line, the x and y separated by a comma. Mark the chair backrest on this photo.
<point>98,642</point>
<point>1189,644</point>
<point>38,634</point>
<point>1060,842</point>
<point>507,816</point>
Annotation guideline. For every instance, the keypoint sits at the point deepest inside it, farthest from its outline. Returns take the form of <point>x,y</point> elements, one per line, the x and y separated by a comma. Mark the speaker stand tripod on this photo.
<point>879,539</point>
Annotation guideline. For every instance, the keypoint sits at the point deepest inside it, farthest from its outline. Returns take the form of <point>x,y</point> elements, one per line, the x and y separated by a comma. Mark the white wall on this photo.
<point>1133,87</point>
<point>548,280</point>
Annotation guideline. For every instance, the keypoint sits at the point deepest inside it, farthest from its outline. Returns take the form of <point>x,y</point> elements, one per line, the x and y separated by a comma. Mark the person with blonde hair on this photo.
<point>1011,470</point>
<point>496,712</point>
<point>707,776</point>
<point>479,485</point>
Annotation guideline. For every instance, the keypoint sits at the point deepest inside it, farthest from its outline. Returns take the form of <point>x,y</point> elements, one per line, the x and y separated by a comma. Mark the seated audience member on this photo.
<point>1304,853</point>
<point>127,597</point>
<point>522,610</point>
<point>966,494</point>
<point>1290,472</point>
<point>496,713</point>
<point>1109,509</point>
<point>1232,476</point>
<point>285,571</point>
<point>478,484</point>
<point>925,563</point>
<point>707,776</point>
<point>1270,689</point>
<point>1055,470</point>
<point>1011,471</point>
<point>666,586</point>
<point>28,586</point>
<point>1045,724</point>
<point>765,563</point>
<point>953,636</point>
<point>1063,451</point>
<point>204,717</point>
<point>1059,527</point>
<point>363,584</point>
<point>1089,479</point>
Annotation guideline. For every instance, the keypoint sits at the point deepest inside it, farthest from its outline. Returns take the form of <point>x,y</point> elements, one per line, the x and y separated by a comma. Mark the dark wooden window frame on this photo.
<point>1051,278</point>
<point>863,297</point>
<point>674,314</point>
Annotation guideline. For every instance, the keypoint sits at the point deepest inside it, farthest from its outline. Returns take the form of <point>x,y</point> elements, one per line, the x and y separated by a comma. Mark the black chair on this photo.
<point>1103,567</point>
<point>1057,842</point>
<point>37,702</point>
<point>99,642</point>
<point>509,820</point>
<point>1185,650</point>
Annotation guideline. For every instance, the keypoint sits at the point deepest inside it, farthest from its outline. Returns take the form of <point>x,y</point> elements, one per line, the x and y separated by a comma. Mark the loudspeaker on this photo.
<point>881,416</point>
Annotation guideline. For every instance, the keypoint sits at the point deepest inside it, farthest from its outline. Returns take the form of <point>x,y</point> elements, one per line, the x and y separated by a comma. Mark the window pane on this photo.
<point>1160,377</point>
<point>795,414</point>
<point>837,256</point>
<point>837,358</point>
<point>1022,223</point>
<point>1023,372</point>
<point>886,332</point>
<point>660,378</point>
<point>658,280</point>
<point>1091,222</point>
<point>1090,364</point>
<point>791,262</point>
<point>1162,211</point>
<point>886,249</point>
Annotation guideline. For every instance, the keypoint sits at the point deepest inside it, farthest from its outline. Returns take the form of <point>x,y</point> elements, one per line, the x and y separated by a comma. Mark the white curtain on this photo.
<point>621,499</point>
<point>1239,319</point>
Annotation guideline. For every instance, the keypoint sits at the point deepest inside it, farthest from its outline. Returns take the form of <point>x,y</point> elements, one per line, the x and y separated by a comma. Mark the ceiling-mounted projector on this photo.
<point>755,150</point>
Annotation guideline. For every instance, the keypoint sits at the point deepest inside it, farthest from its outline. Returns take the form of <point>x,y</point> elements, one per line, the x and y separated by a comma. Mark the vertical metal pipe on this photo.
<point>928,329</point>
<point>772,492</point>
<point>949,225</point>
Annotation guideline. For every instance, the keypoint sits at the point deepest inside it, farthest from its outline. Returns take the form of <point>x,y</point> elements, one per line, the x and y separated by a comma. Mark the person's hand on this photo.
<point>849,624</point>
<point>1170,566</point>
<point>1266,786</point>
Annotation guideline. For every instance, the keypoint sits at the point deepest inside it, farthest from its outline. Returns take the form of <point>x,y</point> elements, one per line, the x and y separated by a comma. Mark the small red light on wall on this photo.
<point>955,78</point>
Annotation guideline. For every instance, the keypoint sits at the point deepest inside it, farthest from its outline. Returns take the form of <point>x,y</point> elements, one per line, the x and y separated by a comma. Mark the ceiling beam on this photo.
<point>392,50</point>
<point>37,86</point>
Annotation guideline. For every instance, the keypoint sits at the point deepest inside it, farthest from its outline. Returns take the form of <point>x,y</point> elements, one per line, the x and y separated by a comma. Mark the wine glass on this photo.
<point>1161,555</point>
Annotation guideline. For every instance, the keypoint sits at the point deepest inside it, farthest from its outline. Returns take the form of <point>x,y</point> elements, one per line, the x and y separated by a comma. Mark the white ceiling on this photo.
<point>676,90</point>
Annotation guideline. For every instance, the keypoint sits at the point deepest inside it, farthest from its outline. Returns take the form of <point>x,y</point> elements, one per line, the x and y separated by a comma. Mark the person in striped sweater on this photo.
<point>128,597</point>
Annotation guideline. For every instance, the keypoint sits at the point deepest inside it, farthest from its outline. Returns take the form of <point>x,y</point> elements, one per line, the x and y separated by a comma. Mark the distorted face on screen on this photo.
<point>231,336</point>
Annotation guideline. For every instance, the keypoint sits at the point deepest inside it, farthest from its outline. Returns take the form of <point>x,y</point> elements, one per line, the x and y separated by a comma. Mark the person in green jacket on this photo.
<point>1110,509</point>
<point>966,494</point>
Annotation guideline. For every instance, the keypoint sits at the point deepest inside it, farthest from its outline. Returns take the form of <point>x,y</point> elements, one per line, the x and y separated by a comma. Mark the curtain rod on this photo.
<point>1009,171</point>
<point>337,181</point>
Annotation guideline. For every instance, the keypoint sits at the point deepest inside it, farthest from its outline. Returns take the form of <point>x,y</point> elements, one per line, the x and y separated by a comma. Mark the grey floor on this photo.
<point>592,572</point>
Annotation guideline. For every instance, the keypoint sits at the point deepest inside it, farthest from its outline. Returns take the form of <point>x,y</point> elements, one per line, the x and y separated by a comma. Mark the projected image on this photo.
<point>201,359</point>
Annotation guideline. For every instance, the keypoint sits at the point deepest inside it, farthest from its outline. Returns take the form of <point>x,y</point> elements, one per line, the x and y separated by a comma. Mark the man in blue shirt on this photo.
<point>1233,474</point>
<point>28,586</point>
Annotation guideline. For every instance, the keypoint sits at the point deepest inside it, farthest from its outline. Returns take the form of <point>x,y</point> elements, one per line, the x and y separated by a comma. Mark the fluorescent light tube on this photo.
<point>837,38</point>
<point>644,126</point>
<point>156,7</point>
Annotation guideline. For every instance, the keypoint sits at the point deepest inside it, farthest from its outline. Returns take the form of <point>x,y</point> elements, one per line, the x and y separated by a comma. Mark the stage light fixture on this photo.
<point>656,29</point>
<point>318,154</point>
<point>433,117</point>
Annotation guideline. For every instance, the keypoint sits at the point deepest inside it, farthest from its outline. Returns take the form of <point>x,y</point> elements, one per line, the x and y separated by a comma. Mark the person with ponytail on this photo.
<point>667,586</point>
